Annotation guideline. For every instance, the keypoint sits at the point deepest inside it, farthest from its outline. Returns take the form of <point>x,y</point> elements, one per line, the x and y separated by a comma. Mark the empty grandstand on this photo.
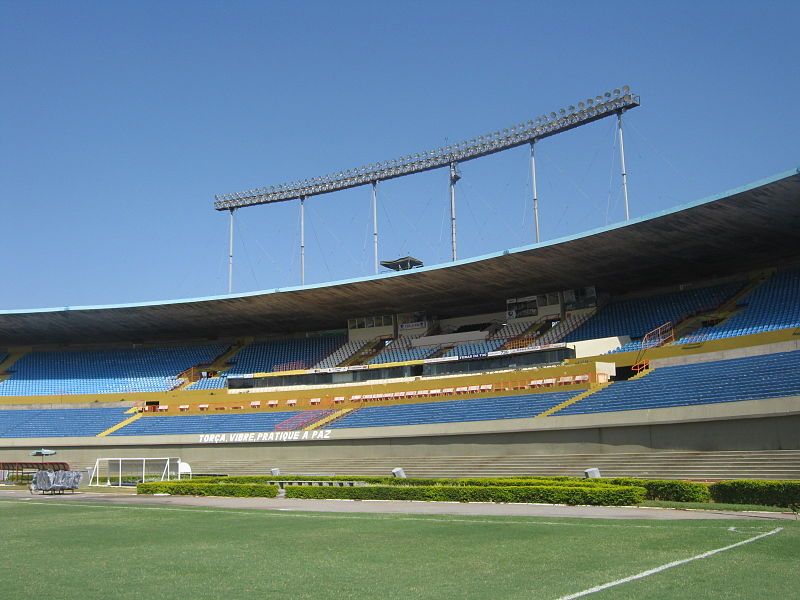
<point>536,360</point>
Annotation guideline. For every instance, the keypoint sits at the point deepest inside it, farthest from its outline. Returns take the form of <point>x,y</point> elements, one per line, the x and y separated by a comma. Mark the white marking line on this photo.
<point>288,512</point>
<point>676,563</point>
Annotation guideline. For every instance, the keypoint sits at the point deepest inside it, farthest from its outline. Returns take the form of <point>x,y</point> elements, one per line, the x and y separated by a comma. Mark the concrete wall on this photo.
<point>758,425</point>
<point>672,361</point>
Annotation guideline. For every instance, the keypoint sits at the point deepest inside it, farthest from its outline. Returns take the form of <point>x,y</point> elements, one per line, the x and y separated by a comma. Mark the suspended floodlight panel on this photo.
<point>402,264</point>
<point>600,107</point>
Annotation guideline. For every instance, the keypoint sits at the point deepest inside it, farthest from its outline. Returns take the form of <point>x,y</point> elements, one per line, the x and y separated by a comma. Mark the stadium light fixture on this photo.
<point>591,110</point>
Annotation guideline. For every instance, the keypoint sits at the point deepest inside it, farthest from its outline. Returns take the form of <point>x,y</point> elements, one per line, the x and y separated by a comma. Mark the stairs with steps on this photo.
<point>366,353</point>
<point>724,311</point>
<point>565,327</point>
<point>331,418</point>
<point>526,338</point>
<point>14,354</point>
<point>596,387</point>
<point>712,465</point>
<point>220,364</point>
<point>304,420</point>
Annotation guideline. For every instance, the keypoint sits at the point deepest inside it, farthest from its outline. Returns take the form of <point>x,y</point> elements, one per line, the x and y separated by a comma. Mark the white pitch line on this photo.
<point>676,563</point>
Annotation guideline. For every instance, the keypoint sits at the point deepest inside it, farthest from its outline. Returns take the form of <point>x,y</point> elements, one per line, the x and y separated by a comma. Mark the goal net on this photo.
<point>130,471</point>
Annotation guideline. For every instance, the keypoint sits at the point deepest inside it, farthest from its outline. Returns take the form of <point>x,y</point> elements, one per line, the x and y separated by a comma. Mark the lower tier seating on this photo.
<point>229,423</point>
<point>58,422</point>
<point>453,411</point>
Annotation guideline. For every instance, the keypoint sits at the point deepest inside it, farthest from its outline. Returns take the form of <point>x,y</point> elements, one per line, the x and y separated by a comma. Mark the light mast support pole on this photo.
<point>535,195</point>
<point>454,177</point>
<point>622,165</point>
<point>375,222</point>
<point>302,240</point>
<point>230,254</point>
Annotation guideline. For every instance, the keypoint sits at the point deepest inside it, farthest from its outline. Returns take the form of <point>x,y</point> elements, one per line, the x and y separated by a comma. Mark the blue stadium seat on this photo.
<point>211,423</point>
<point>58,422</point>
<point>733,380</point>
<point>639,316</point>
<point>481,347</point>
<point>208,383</point>
<point>389,354</point>
<point>284,354</point>
<point>104,371</point>
<point>453,411</point>
<point>771,306</point>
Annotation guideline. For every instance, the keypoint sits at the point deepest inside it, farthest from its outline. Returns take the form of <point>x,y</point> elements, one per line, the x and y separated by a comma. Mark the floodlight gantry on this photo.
<point>593,109</point>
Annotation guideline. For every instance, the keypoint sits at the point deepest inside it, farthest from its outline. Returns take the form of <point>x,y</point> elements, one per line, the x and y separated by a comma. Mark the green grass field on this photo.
<point>72,550</point>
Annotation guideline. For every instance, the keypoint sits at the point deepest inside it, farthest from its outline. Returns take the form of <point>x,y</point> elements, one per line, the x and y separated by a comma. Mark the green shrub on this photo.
<point>193,488</point>
<point>597,494</point>
<point>666,489</point>
<point>749,491</point>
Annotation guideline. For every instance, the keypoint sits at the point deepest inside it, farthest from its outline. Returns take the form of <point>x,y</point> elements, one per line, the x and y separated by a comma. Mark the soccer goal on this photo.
<point>130,471</point>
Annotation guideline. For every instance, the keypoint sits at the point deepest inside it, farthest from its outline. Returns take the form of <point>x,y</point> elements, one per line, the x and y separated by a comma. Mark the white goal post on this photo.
<point>130,471</point>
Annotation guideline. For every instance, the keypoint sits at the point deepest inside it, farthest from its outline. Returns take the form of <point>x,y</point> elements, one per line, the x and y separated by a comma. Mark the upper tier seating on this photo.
<point>638,316</point>
<point>211,423</point>
<point>208,383</point>
<point>771,306</point>
<point>451,411</point>
<point>480,347</point>
<point>733,380</point>
<point>283,355</point>
<point>629,347</point>
<point>512,330</point>
<point>341,354</point>
<point>104,371</point>
<point>390,354</point>
<point>58,422</point>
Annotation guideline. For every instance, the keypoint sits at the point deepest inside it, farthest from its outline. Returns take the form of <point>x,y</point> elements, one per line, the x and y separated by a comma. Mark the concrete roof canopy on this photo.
<point>748,228</point>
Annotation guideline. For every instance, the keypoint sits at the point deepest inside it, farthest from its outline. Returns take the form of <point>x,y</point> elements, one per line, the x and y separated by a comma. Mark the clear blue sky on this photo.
<point>120,121</point>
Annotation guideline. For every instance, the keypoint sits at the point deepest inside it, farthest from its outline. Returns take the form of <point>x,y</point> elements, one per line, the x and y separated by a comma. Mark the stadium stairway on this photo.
<point>220,364</point>
<point>332,418</point>
<point>705,466</point>
<point>565,327</point>
<point>367,352</point>
<point>121,424</point>
<point>14,354</point>
<point>526,338</point>
<point>725,310</point>
<point>595,387</point>
<point>303,420</point>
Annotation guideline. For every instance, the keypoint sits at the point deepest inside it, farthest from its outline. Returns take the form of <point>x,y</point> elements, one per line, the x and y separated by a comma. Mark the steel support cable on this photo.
<point>338,239</point>
<point>241,237</point>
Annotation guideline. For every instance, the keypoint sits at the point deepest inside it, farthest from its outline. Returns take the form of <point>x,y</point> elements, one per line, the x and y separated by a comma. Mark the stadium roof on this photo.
<point>748,228</point>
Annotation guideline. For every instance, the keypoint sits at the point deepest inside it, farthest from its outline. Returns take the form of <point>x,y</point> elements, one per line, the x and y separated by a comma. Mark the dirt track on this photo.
<point>399,507</point>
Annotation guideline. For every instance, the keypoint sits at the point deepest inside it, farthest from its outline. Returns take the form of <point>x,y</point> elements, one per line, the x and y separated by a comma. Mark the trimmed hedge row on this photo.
<point>750,491</point>
<point>767,493</point>
<point>193,488</point>
<point>667,489</point>
<point>676,491</point>
<point>595,495</point>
